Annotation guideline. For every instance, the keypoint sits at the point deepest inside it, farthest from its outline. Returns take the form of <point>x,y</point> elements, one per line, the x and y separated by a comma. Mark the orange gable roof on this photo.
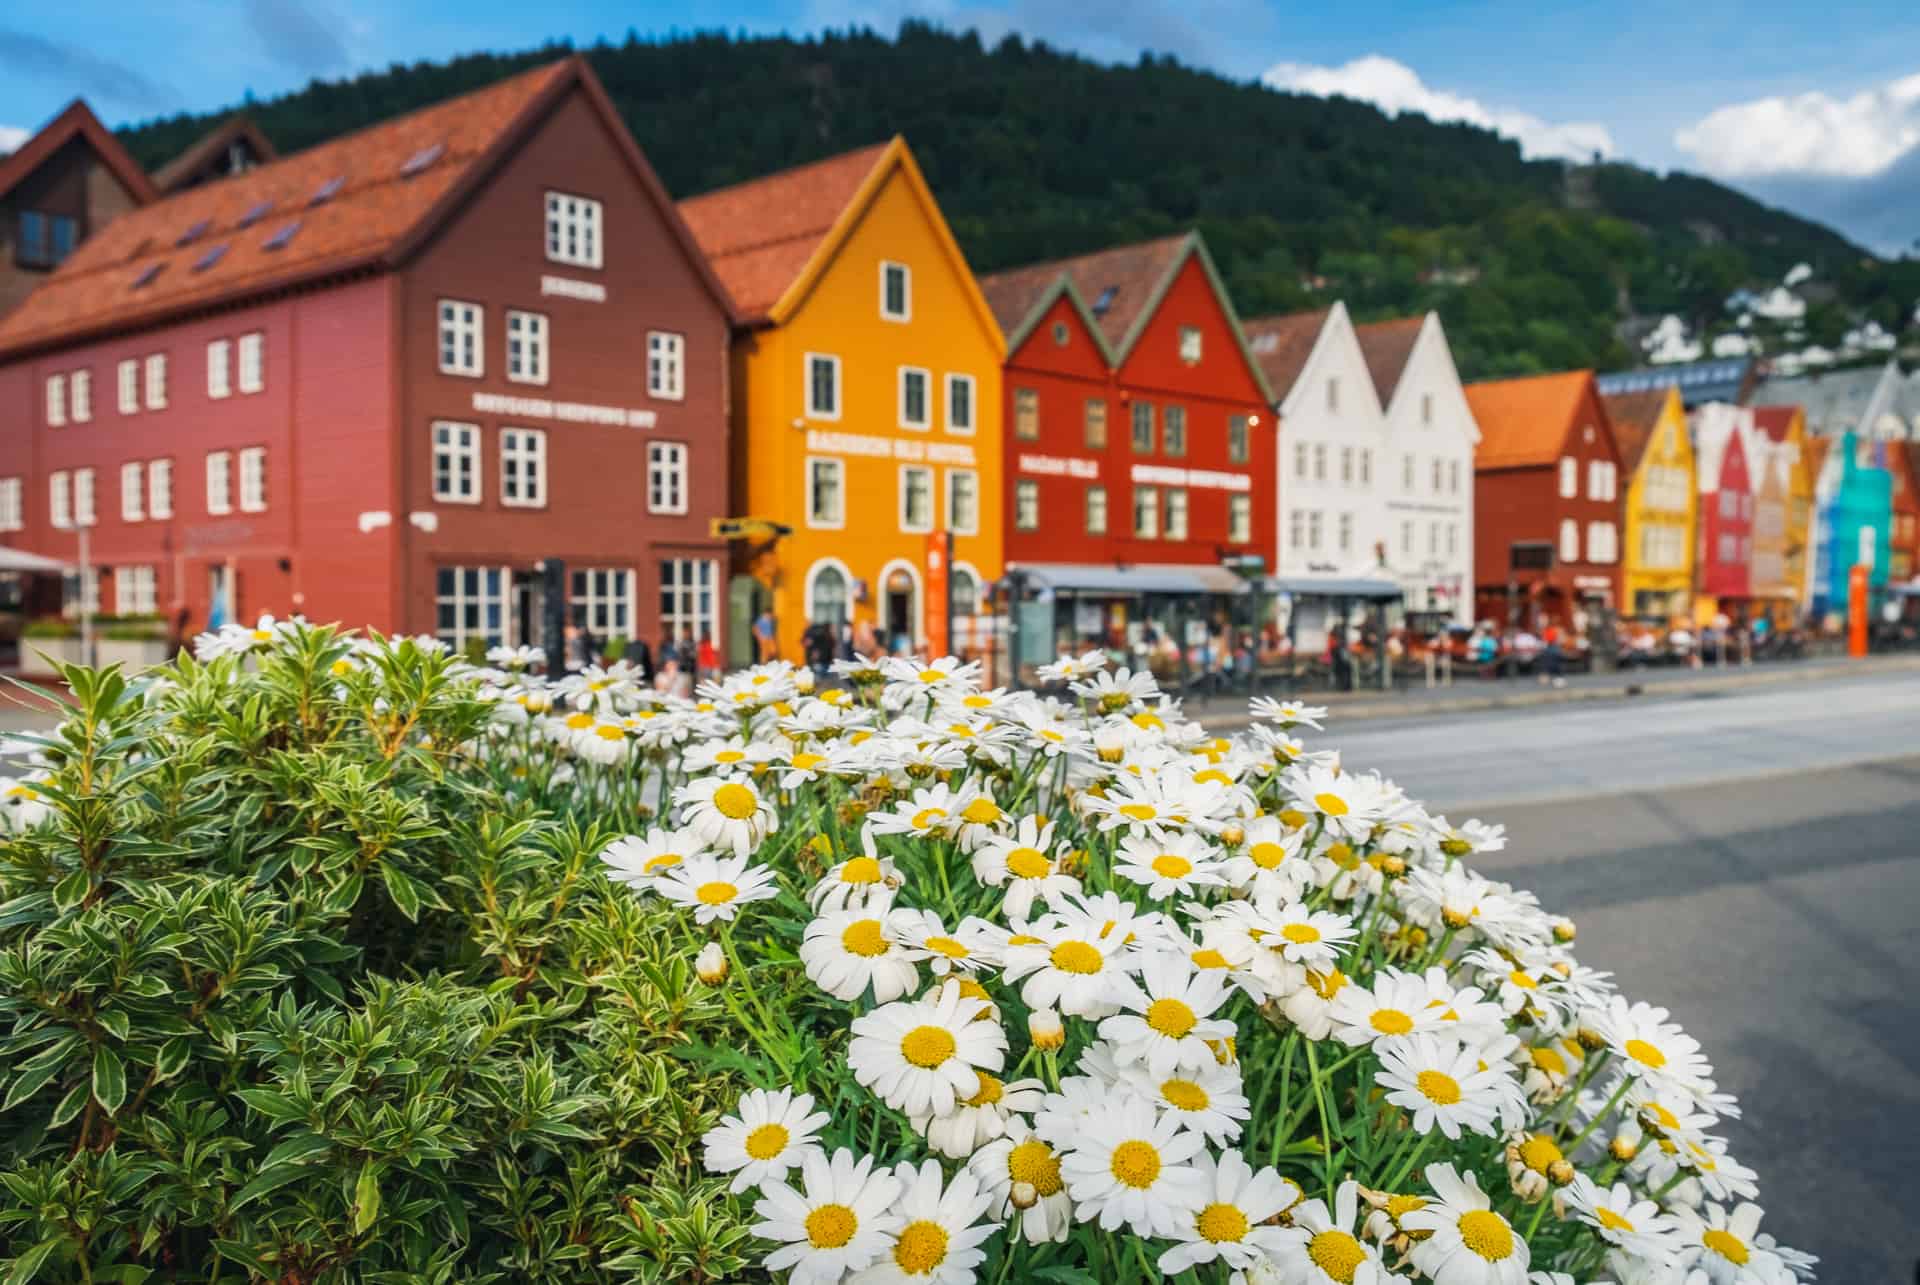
<point>1117,284</point>
<point>760,235</point>
<point>1281,346</point>
<point>373,215</point>
<point>1387,345</point>
<point>77,120</point>
<point>1635,416</point>
<point>1523,422</point>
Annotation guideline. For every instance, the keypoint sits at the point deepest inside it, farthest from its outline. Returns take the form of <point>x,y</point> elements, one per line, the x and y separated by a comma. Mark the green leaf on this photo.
<point>70,1105</point>
<point>366,1199</point>
<point>297,1149</point>
<point>109,1078</point>
<point>268,1180</point>
<point>173,1057</point>
<point>28,1265</point>
<point>403,890</point>
<point>72,890</point>
<point>113,1020</point>
<point>275,1106</point>
<point>28,1083</point>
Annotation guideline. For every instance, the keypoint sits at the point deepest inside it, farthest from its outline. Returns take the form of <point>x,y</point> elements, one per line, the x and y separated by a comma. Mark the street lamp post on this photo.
<point>86,599</point>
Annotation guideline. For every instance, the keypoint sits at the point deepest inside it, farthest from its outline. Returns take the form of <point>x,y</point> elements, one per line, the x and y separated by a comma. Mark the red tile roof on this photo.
<point>1635,416</point>
<point>1281,346</point>
<point>1775,421</point>
<point>1523,422</point>
<point>1134,274</point>
<point>374,216</point>
<point>760,235</point>
<point>177,172</point>
<point>1387,345</point>
<point>76,121</point>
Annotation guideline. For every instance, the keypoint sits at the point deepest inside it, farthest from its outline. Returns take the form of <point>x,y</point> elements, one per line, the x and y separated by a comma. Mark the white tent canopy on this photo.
<point>31,563</point>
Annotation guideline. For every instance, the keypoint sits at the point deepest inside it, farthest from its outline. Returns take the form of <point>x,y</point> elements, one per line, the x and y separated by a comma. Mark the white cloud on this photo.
<point>1812,133</point>
<point>11,136</point>
<point>1395,87</point>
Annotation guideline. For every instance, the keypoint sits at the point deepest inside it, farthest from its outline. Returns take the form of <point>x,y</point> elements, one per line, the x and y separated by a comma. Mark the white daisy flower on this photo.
<point>733,755</point>
<point>1069,669</point>
<point>855,880</point>
<point>1311,938</point>
<point>1022,1173</point>
<point>922,1056</point>
<point>638,861</point>
<point>1726,1245</point>
<point>1469,1244</point>
<point>1170,1018</point>
<point>1118,690</point>
<point>1288,713</point>
<point>841,1220</point>
<point>1310,1006</point>
<point>1320,1248</point>
<point>1023,862</point>
<point>727,813</point>
<point>716,887</point>
<point>940,1233</point>
<point>1441,1081</point>
<point>1634,1225</point>
<point>928,813</point>
<point>978,1120</point>
<point>769,1133</point>
<point>1131,1167</point>
<point>1651,1046</point>
<point>1209,1100</point>
<point>1065,967</point>
<point>1267,865</point>
<point>1231,1226</point>
<point>1169,865</point>
<point>1396,1004</point>
<point>847,951</point>
<point>1337,799</point>
<point>966,949</point>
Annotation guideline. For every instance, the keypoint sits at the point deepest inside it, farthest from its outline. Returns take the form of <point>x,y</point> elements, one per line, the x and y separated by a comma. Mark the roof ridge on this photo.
<point>788,172</point>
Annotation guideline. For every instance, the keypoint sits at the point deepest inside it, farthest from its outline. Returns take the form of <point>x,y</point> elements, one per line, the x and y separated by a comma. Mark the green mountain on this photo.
<point>1036,153</point>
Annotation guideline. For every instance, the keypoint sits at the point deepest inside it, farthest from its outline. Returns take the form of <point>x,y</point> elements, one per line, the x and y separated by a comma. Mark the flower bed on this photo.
<point>1001,987</point>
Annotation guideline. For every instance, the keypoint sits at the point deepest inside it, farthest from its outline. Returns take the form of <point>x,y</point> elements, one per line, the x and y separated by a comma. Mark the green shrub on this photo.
<point>289,992</point>
<point>50,627</point>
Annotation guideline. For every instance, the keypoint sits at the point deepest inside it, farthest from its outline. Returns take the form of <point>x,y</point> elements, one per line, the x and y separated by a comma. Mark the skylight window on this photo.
<point>211,257</point>
<point>278,241</point>
<point>1105,301</point>
<point>421,159</point>
<point>254,215</point>
<point>147,274</point>
<point>328,190</point>
<point>194,233</point>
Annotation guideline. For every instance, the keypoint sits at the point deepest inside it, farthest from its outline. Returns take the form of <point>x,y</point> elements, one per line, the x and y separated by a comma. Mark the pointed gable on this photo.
<point>1387,347</point>
<point>1635,417</point>
<point>77,121</point>
<point>208,158</point>
<point>1524,422</point>
<point>1281,346</point>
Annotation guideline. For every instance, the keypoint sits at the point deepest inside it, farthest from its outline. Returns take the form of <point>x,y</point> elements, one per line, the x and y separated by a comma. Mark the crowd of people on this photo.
<point>675,668</point>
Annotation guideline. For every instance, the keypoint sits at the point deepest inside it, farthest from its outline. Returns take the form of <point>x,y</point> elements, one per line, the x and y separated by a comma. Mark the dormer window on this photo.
<point>45,240</point>
<point>1105,301</point>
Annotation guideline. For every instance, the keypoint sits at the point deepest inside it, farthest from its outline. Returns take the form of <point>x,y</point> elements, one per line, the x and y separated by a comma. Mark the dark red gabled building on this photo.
<point>380,380</point>
<point>1139,444</point>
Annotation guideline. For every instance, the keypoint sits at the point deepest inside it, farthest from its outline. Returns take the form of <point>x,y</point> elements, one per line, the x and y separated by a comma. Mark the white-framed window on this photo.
<point>156,381</point>
<point>1096,510</point>
<point>689,598</point>
<point>1297,529</point>
<point>1343,532</point>
<point>133,492</point>
<point>823,386</point>
<point>462,330</point>
<point>526,347</point>
<point>1319,461</point>
<point>83,512</point>
<point>826,492</point>
<point>56,401</point>
<point>1569,540</point>
<point>1026,505</point>
<point>1406,473</point>
<point>1346,465</point>
<point>1146,512</point>
<point>896,291</point>
<point>1314,519</point>
<point>1143,428</point>
<point>1239,518</point>
<point>78,586</point>
<point>1026,414</point>
<point>470,602</point>
<point>253,362</point>
<point>1176,524</point>
<point>219,368</point>
<point>1239,439</point>
<point>1095,425</point>
<point>914,411</point>
<point>960,403</point>
<point>963,501</point>
<point>827,592</point>
<point>13,504</point>
<point>253,479</point>
<point>573,230</point>
<point>129,385</point>
<point>1601,542</point>
<point>1173,430</point>
<point>523,468</point>
<point>1453,477</point>
<point>1299,459</point>
<point>1596,480</point>
<point>666,477</point>
<point>1426,408</point>
<point>160,488</point>
<point>1569,477</point>
<point>1453,537</point>
<point>80,399</point>
<point>60,499</point>
<point>1190,345</point>
<point>601,600</point>
<point>1366,466</point>
<point>1433,539</point>
<point>1406,536</point>
<point>1333,394</point>
<point>916,498</point>
<point>133,591</point>
<point>1439,473</point>
<point>666,364</point>
<point>456,462</point>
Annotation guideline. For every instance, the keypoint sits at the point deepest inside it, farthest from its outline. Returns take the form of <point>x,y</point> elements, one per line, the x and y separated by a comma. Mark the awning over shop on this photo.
<point>1332,587</point>
<point>30,563</point>
<point>1089,577</point>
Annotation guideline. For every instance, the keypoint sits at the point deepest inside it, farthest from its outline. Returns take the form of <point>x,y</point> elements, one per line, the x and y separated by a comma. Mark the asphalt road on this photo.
<point>1751,862</point>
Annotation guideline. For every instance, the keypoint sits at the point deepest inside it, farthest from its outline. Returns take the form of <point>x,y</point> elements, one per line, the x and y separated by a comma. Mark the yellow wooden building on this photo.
<point>1660,505</point>
<point>1786,428</point>
<point>866,401</point>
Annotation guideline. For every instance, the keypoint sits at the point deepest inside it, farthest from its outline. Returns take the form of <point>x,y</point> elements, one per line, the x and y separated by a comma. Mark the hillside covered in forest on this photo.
<point>1036,153</point>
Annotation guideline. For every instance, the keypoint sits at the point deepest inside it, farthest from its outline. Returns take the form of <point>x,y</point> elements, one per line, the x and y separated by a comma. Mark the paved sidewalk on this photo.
<point>1469,695</point>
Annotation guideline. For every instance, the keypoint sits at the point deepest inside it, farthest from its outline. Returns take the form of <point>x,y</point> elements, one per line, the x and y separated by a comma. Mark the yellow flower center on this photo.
<point>1029,863</point>
<point>1398,1205</point>
<point>831,1226</point>
<point>1439,1088</point>
<point>610,732</point>
<point>1337,1254</point>
<point>1331,804</point>
<point>1168,866</point>
<point>1390,1021</point>
<point>1326,985</point>
<point>1646,1054</point>
<point>1034,1163</point>
<point>860,870</point>
<point>342,667</point>
<point>925,817</point>
<point>735,801</point>
<point>1725,1244</point>
<point>1023,939</point>
<point>1214,775</point>
<point>766,1142</point>
<point>863,937</point>
<point>1301,934</point>
<point>1343,855</point>
<point>729,756</point>
<point>580,722</point>
<point>1146,720</point>
<point>947,946</point>
<point>1135,1163</point>
<point>1210,958</point>
<point>1538,1153</point>
<point>263,635</point>
<point>661,862</point>
<point>932,675</point>
<point>927,1046</point>
<point>1267,856</point>
<point>991,1090</point>
<point>807,762</point>
<point>1138,811</point>
<point>982,812</point>
<point>961,730</point>
<point>1292,818</point>
<point>1185,1095</point>
<point>717,893</point>
<point>921,1248</point>
<point>1076,957</point>
<point>1661,1116</point>
<point>1486,1234</point>
<point>1549,1060</point>
<point>1523,981</point>
<point>1610,1220</point>
<point>978,700</point>
<point>1218,1222</point>
<point>1171,1018</point>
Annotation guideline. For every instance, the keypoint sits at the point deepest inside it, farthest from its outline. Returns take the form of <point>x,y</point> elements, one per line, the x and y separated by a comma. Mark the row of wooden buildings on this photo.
<point>387,379</point>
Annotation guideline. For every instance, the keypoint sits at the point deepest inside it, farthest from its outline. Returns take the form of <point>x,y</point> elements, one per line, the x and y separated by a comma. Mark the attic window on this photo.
<point>147,274</point>
<point>1060,333</point>
<point>211,257</point>
<point>278,241</point>
<point>421,159</point>
<point>254,215</point>
<point>194,233</point>
<point>1266,343</point>
<point>1105,301</point>
<point>327,190</point>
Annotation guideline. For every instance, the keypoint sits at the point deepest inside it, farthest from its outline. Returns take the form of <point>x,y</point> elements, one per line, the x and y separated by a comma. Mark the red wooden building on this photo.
<point>1723,562</point>
<point>1139,445</point>
<point>379,381</point>
<point>1548,499</point>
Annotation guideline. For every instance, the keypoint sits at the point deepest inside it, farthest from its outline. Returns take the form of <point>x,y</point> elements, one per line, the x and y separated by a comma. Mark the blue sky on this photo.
<point>1813,105</point>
